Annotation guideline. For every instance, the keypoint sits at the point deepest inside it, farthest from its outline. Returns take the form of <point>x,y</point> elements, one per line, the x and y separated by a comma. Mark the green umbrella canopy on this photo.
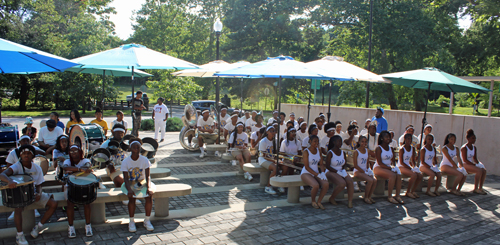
<point>439,80</point>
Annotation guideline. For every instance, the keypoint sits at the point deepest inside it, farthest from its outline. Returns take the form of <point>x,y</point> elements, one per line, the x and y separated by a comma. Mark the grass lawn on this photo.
<point>125,90</point>
<point>62,113</point>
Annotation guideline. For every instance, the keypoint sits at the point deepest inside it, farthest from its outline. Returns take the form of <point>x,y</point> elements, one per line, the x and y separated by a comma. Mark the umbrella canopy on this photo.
<point>109,72</point>
<point>208,70</point>
<point>438,80</point>
<point>133,55</point>
<point>335,66</point>
<point>20,59</point>
<point>279,67</point>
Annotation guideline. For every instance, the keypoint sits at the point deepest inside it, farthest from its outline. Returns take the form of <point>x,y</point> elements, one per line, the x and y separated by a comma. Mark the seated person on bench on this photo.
<point>26,166</point>
<point>206,130</point>
<point>48,136</point>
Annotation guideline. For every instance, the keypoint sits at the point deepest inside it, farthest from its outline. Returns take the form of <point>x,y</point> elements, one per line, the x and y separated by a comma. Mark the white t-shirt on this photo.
<point>13,158</point>
<point>56,154</point>
<point>223,120</point>
<point>271,120</point>
<point>49,137</point>
<point>35,172</point>
<point>255,128</point>
<point>230,127</point>
<point>136,169</point>
<point>205,125</point>
<point>321,132</point>
<point>81,164</point>
<point>301,136</point>
<point>372,141</point>
<point>305,142</point>
<point>265,145</point>
<point>241,139</point>
<point>293,147</point>
<point>160,112</point>
<point>123,122</point>
<point>363,131</point>
<point>323,143</point>
<point>250,123</point>
<point>353,142</point>
<point>254,136</point>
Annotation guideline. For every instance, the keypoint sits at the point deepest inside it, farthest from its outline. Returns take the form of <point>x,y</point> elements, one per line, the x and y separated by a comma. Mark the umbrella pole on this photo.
<point>329,100</point>
<point>424,120</point>
<point>102,101</point>
<point>132,86</point>
<point>279,130</point>
<point>309,106</point>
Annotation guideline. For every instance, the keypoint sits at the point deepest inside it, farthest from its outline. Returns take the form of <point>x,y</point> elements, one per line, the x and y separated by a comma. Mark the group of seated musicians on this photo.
<point>373,154</point>
<point>134,168</point>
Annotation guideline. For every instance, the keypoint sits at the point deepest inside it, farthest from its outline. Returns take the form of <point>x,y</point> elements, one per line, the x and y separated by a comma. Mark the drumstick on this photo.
<point>78,174</point>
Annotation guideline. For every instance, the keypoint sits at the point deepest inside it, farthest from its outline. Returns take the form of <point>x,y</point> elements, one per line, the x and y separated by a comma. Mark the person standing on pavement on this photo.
<point>160,115</point>
<point>380,119</point>
<point>137,107</point>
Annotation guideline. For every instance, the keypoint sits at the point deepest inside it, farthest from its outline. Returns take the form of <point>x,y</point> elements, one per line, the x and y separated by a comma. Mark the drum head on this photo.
<point>84,179</point>
<point>101,155</point>
<point>78,136</point>
<point>43,163</point>
<point>149,144</point>
<point>20,180</point>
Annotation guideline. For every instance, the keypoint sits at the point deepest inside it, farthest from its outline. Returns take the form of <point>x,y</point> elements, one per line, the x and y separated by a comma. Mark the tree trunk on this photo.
<point>418,99</point>
<point>36,84</point>
<point>391,97</point>
<point>23,94</point>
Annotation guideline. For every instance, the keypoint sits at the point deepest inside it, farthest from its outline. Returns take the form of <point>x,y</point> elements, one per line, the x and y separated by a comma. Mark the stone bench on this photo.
<point>256,168</point>
<point>214,147</point>
<point>294,182</point>
<point>227,158</point>
<point>155,173</point>
<point>160,199</point>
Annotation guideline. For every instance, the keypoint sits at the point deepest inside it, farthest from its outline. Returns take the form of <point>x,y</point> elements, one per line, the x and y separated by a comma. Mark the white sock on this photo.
<point>146,219</point>
<point>20,234</point>
<point>40,224</point>
<point>202,149</point>
<point>71,226</point>
<point>131,219</point>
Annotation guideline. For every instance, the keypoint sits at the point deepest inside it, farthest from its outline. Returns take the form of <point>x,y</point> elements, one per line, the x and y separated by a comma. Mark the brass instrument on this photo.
<point>283,157</point>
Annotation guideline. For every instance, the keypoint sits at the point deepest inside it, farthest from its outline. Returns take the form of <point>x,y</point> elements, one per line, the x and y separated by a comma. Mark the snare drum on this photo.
<point>9,134</point>
<point>82,189</point>
<point>84,134</point>
<point>42,162</point>
<point>21,196</point>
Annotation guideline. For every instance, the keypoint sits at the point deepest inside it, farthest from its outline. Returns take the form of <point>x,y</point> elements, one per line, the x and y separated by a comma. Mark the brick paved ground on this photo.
<point>437,220</point>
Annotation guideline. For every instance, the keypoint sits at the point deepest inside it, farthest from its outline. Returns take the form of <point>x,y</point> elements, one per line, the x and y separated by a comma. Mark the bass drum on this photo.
<point>184,136</point>
<point>84,135</point>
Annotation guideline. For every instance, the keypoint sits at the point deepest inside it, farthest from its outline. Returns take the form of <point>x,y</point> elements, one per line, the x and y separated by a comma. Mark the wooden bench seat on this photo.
<point>161,201</point>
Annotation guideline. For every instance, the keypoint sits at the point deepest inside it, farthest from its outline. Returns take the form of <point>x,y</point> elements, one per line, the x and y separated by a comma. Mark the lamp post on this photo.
<point>367,102</point>
<point>217,29</point>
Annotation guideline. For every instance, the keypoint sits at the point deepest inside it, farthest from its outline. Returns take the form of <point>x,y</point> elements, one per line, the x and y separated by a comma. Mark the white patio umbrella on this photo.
<point>208,69</point>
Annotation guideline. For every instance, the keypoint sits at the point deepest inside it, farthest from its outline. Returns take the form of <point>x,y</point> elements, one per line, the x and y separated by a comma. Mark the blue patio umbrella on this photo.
<point>280,67</point>
<point>20,59</point>
<point>133,56</point>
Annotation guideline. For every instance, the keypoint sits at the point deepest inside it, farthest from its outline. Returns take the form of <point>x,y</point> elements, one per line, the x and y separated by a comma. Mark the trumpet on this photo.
<point>283,157</point>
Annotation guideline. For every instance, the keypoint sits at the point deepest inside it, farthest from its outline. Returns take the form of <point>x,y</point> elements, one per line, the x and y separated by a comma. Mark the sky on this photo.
<point>125,9</point>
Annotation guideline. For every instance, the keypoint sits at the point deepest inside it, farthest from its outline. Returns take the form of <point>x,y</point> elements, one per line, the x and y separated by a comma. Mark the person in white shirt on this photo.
<point>394,144</point>
<point>319,121</point>
<point>266,147</point>
<point>160,116</point>
<point>77,163</point>
<point>338,130</point>
<point>351,139</point>
<point>26,166</point>
<point>330,131</point>
<point>258,125</point>
<point>250,122</point>
<point>291,147</point>
<point>135,169</point>
<point>238,145</point>
<point>302,131</point>
<point>372,138</point>
<point>13,156</point>
<point>48,136</point>
<point>119,120</point>
<point>223,117</point>
<point>427,131</point>
<point>230,126</point>
<point>313,130</point>
<point>365,129</point>
<point>409,130</point>
<point>299,122</point>
<point>206,130</point>
<point>274,118</point>
<point>292,118</point>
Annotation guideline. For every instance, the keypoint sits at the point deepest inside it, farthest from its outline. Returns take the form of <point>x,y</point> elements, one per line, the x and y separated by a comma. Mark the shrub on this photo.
<point>147,125</point>
<point>441,98</point>
<point>174,124</point>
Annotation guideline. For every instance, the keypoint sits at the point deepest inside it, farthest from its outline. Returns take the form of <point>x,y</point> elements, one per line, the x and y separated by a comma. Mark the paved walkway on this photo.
<point>224,208</point>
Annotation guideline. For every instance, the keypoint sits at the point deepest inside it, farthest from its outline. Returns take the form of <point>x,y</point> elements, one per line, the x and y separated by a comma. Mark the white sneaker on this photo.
<point>131,227</point>
<point>11,217</point>
<point>101,186</point>
<point>88,230</point>
<point>137,202</point>
<point>21,240</point>
<point>248,176</point>
<point>269,190</point>
<point>217,154</point>
<point>362,183</point>
<point>125,202</point>
<point>148,225</point>
<point>35,231</point>
<point>202,155</point>
<point>37,214</point>
<point>281,189</point>
<point>356,187</point>
<point>71,232</point>
<point>302,188</point>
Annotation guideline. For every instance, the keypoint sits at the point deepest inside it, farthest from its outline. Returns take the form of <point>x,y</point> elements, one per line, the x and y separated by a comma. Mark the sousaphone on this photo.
<point>188,132</point>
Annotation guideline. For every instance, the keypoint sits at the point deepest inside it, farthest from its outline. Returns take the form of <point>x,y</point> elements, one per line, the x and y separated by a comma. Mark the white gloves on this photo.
<point>342,173</point>
<point>480,165</point>
<point>435,169</point>
<point>369,172</point>
<point>416,170</point>
<point>322,176</point>
<point>462,170</point>
<point>396,170</point>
